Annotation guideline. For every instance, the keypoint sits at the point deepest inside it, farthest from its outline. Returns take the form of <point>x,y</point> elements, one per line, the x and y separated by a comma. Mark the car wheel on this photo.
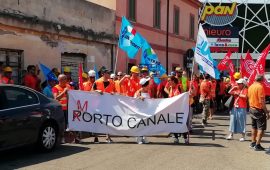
<point>47,137</point>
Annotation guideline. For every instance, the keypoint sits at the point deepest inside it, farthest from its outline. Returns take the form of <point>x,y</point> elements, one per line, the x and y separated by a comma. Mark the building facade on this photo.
<point>150,19</point>
<point>56,33</point>
<point>240,27</point>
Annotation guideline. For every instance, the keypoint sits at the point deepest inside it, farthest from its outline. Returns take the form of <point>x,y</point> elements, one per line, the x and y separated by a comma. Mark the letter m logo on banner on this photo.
<point>81,108</point>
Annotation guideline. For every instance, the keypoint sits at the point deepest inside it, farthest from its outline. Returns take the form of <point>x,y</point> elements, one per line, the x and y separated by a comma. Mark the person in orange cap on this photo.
<point>6,78</point>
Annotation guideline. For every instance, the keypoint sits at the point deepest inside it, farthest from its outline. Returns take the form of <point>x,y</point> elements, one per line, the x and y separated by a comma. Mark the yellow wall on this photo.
<point>111,4</point>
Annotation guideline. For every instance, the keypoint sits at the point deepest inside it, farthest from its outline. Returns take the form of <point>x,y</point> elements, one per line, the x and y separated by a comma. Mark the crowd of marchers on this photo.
<point>207,95</point>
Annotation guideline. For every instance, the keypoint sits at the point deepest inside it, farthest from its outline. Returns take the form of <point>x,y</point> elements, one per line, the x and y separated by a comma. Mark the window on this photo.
<point>157,13</point>
<point>16,97</point>
<point>13,58</point>
<point>72,60</point>
<point>192,27</point>
<point>132,10</point>
<point>176,20</point>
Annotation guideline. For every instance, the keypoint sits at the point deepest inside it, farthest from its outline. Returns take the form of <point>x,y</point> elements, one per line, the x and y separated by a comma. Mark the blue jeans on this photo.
<point>238,120</point>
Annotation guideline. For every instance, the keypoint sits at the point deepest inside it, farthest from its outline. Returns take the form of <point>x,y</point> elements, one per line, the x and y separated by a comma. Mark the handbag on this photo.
<point>229,103</point>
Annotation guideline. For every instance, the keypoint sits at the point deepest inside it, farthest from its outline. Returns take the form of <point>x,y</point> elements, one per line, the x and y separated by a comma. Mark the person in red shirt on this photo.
<point>7,77</point>
<point>30,79</point>
<point>175,90</point>
<point>205,90</point>
<point>132,83</point>
<point>152,86</point>
<point>239,111</point>
<point>160,89</point>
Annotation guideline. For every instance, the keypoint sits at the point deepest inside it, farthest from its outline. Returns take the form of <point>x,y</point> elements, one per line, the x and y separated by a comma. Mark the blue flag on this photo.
<point>130,40</point>
<point>49,75</point>
<point>150,59</point>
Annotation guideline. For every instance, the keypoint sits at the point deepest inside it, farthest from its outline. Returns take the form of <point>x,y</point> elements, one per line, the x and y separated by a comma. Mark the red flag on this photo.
<point>227,64</point>
<point>259,68</point>
<point>223,63</point>
<point>80,77</point>
<point>241,65</point>
<point>247,66</point>
<point>231,70</point>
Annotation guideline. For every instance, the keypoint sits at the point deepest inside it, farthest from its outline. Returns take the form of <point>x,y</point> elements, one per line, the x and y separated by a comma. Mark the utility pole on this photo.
<point>167,38</point>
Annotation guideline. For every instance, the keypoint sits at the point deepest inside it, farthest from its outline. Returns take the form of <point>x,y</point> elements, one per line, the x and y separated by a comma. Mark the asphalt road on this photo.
<point>208,150</point>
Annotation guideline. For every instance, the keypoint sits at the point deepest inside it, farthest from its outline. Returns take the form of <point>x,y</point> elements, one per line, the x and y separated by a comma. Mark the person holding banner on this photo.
<point>104,84</point>
<point>132,83</point>
<point>119,88</point>
<point>87,86</point>
<point>174,90</point>
<point>143,93</point>
<point>60,94</point>
<point>161,87</point>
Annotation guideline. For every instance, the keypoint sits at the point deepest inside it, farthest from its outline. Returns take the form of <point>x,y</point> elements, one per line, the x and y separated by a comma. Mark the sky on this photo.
<point>239,1</point>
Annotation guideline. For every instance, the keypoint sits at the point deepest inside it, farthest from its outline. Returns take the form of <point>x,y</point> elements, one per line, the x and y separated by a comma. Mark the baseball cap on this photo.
<point>105,71</point>
<point>178,69</point>
<point>112,76</point>
<point>241,81</point>
<point>144,80</point>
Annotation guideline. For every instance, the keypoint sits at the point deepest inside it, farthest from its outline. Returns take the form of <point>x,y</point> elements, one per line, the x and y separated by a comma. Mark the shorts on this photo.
<point>258,119</point>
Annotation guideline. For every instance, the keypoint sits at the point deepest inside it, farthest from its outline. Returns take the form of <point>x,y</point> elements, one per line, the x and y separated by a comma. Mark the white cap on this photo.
<point>112,76</point>
<point>144,80</point>
<point>91,73</point>
<point>241,81</point>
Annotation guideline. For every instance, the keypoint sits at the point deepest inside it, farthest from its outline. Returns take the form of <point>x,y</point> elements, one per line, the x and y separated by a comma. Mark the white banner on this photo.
<point>126,116</point>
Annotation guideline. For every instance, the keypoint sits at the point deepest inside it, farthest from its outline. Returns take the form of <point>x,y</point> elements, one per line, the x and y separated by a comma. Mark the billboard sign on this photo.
<point>222,39</point>
<point>219,14</point>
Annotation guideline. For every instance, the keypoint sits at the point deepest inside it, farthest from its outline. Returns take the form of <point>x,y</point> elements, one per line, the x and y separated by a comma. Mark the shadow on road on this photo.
<point>173,144</point>
<point>26,156</point>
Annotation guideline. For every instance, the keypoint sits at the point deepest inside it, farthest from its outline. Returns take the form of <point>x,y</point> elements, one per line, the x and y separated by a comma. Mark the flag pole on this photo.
<point>116,60</point>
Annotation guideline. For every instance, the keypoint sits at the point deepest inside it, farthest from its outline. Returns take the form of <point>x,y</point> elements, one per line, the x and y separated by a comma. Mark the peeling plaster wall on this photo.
<point>45,45</point>
<point>70,12</point>
<point>36,50</point>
